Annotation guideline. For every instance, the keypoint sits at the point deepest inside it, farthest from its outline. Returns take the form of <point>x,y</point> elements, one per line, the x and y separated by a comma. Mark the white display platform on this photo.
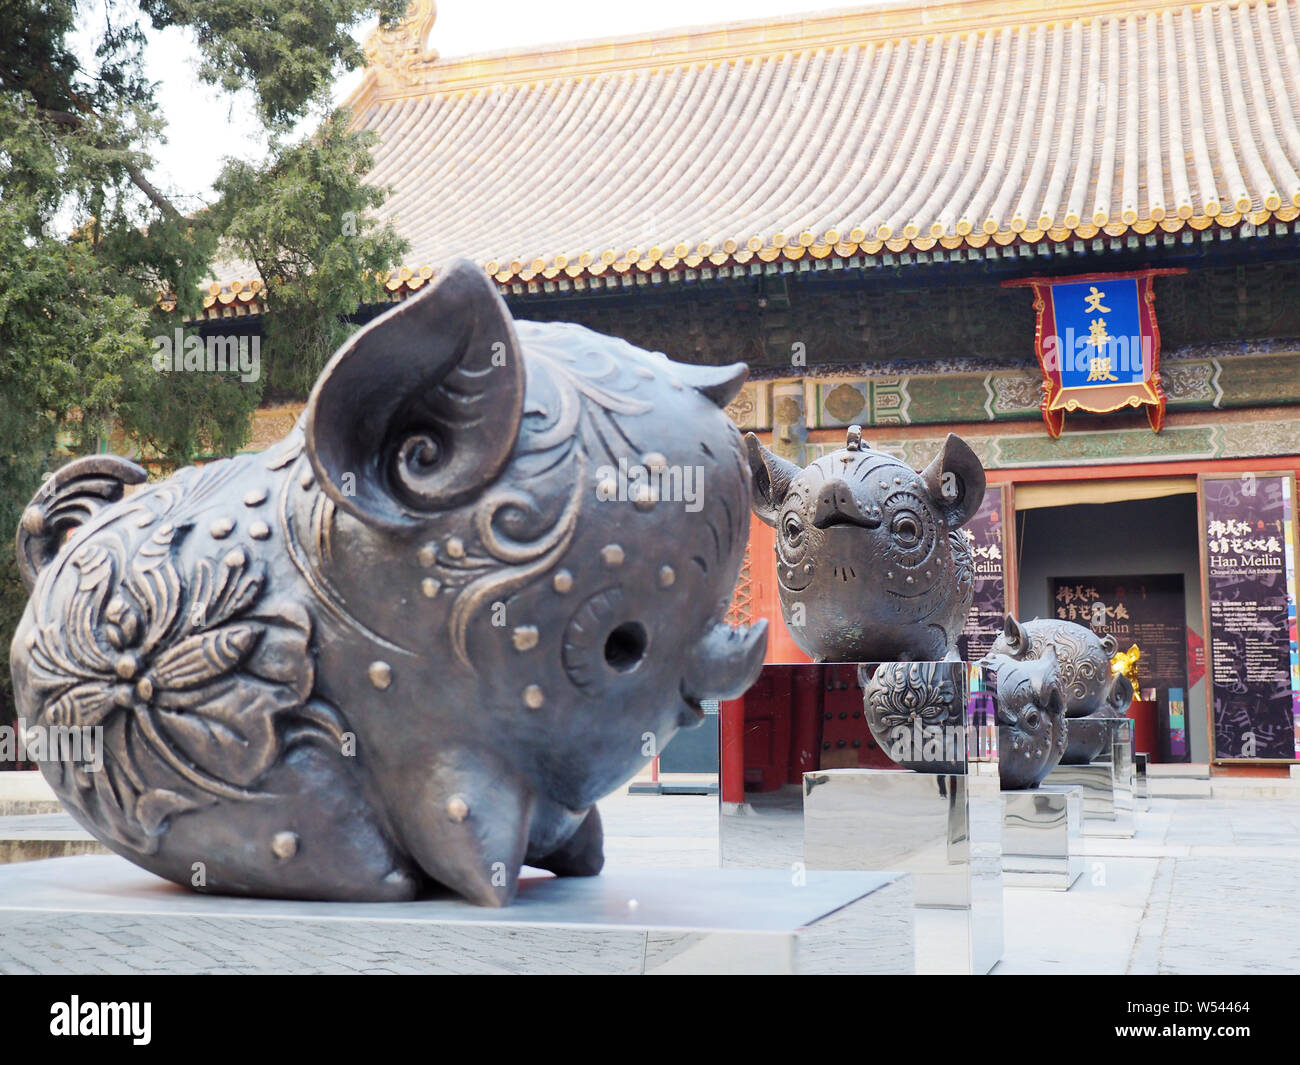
<point>100,913</point>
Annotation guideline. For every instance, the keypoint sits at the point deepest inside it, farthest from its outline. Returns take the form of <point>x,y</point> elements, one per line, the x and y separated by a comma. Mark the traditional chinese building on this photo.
<point>855,203</point>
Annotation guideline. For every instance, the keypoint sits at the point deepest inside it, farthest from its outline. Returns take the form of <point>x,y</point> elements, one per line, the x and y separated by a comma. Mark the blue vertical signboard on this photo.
<point>1097,320</point>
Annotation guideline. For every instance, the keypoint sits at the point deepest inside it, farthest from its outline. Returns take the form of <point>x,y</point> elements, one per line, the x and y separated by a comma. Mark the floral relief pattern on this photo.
<point>907,693</point>
<point>192,687</point>
<point>963,564</point>
<point>789,411</point>
<point>1082,667</point>
<point>844,402</point>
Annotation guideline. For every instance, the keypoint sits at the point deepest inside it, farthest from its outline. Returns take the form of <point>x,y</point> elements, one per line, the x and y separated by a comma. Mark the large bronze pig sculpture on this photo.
<point>872,565</point>
<point>418,638</point>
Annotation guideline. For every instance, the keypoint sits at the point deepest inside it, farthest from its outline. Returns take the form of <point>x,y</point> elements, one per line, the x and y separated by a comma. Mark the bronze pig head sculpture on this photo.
<point>414,641</point>
<point>1090,688</point>
<point>1030,717</point>
<point>1088,684</point>
<point>871,562</point>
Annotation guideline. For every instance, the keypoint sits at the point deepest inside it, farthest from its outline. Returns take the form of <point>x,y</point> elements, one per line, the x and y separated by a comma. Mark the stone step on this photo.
<point>16,807</point>
<point>30,837</point>
<point>26,792</point>
<point>1180,787</point>
<point>1256,788</point>
<point>1196,770</point>
<point>24,784</point>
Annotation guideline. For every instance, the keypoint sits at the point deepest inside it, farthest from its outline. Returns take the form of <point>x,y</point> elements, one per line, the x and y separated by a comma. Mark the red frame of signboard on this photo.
<point>1097,399</point>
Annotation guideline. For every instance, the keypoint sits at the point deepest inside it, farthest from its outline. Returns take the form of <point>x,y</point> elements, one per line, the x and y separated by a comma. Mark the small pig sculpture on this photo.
<point>872,564</point>
<point>1089,687</point>
<point>1083,661</point>
<point>1030,716</point>
<point>413,642</point>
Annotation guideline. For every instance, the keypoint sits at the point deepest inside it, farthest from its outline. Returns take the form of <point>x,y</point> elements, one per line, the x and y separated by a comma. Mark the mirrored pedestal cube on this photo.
<point>944,829</point>
<point>1042,837</point>
<point>1125,763</point>
<point>1107,783</point>
<point>1141,786</point>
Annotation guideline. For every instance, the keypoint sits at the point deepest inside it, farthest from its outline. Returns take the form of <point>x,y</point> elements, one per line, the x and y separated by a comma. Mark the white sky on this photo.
<point>205,125</point>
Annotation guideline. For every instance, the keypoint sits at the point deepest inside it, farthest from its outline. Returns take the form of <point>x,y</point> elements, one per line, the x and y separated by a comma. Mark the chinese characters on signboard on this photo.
<point>985,535</point>
<point>1249,536</point>
<point>1098,345</point>
<point>1081,602</point>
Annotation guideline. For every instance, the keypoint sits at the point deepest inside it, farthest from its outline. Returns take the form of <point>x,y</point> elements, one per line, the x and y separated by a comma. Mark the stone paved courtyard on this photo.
<point>1205,886</point>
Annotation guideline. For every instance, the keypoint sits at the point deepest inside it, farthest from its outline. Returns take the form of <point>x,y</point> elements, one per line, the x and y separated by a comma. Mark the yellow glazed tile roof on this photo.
<point>894,129</point>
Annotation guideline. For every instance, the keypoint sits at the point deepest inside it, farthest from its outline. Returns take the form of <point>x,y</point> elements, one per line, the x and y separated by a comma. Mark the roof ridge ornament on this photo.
<point>400,52</point>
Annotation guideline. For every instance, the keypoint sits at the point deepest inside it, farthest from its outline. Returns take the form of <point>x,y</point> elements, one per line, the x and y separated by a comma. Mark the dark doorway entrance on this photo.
<point>1138,559</point>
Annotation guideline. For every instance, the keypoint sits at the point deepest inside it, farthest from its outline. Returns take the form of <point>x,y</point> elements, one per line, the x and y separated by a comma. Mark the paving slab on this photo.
<point>1206,885</point>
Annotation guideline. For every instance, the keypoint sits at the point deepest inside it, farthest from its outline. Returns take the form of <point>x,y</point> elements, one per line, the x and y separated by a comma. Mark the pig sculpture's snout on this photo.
<point>724,663</point>
<point>837,505</point>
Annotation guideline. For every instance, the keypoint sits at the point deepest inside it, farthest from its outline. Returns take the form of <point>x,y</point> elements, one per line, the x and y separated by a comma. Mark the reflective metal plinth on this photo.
<point>1107,782</point>
<point>944,829</point>
<point>1141,786</point>
<point>763,832</point>
<point>1042,837</point>
<point>1107,799</point>
<point>1125,764</point>
<point>100,913</point>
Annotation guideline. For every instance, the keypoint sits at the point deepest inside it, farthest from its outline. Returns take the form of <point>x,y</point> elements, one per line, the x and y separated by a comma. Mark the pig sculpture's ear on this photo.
<point>1047,687</point>
<point>1015,637</point>
<point>956,481</point>
<point>770,477</point>
<point>1119,693</point>
<point>419,411</point>
<point>1049,696</point>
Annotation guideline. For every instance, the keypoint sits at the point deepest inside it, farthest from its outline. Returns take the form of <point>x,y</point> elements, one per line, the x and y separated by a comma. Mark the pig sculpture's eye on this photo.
<point>906,529</point>
<point>625,647</point>
<point>601,642</point>
<point>793,529</point>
